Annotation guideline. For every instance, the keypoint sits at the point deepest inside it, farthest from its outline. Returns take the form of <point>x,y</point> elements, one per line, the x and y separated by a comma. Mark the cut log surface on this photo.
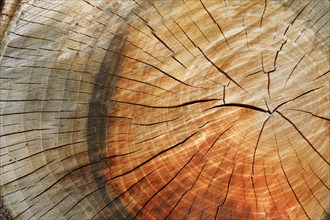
<point>165,109</point>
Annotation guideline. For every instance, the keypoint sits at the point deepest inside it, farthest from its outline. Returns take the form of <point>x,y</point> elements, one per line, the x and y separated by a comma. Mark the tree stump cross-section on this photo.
<point>165,109</point>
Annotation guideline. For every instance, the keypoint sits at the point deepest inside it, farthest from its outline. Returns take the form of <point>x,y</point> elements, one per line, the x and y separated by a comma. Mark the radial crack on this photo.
<point>254,158</point>
<point>277,52</point>
<point>160,40</point>
<point>305,93</point>
<point>240,105</point>
<point>286,177</point>
<point>263,13</point>
<point>155,67</point>
<point>164,186</point>
<point>222,133</point>
<point>292,71</point>
<point>220,70</point>
<point>214,21</point>
<point>169,106</point>
<point>317,116</point>
<point>268,73</point>
<point>303,136</point>
<point>156,155</point>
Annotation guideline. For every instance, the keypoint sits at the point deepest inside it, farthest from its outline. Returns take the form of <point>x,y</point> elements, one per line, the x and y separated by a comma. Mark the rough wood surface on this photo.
<point>7,10</point>
<point>166,109</point>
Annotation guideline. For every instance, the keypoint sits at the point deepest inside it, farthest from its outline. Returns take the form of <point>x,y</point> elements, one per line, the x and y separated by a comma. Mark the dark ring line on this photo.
<point>99,106</point>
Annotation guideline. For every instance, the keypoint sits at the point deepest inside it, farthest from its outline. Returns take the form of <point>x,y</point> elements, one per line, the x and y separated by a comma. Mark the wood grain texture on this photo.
<point>166,110</point>
<point>7,10</point>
